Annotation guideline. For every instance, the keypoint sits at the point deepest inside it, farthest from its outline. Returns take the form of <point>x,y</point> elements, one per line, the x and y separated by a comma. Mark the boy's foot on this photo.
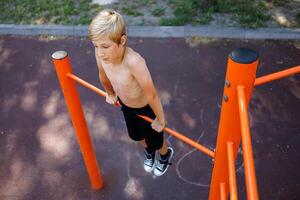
<point>149,162</point>
<point>162,165</point>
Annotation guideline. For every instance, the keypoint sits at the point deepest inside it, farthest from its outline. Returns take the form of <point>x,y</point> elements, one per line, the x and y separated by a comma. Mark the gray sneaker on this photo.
<point>163,165</point>
<point>149,161</point>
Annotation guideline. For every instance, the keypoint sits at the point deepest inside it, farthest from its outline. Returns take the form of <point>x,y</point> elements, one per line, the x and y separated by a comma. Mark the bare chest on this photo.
<point>119,76</point>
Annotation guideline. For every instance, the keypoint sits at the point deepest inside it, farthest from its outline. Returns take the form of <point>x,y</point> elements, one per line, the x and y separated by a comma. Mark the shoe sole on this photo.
<point>150,170</point>
<point>172,152</point>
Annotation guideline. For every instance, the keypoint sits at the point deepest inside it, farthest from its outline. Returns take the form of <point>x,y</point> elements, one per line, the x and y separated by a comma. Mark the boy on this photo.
<point>125,77</point>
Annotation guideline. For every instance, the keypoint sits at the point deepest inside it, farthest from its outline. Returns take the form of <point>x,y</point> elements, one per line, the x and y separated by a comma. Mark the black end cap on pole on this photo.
<point>244,55</point>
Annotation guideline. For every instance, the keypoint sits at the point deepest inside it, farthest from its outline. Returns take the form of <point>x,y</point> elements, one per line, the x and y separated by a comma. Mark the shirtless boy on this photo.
<point>125,77</point>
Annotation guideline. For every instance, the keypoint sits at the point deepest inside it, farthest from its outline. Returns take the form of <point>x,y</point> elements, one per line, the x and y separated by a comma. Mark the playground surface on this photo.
<point>40,157</point>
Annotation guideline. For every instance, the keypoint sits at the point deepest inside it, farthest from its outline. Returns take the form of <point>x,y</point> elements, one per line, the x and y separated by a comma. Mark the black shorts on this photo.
<point>139,129</point>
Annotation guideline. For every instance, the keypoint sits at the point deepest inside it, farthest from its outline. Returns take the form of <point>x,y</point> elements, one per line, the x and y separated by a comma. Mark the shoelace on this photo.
<point>164,162</point>
<point>149,158</point>
<point>161,164</point>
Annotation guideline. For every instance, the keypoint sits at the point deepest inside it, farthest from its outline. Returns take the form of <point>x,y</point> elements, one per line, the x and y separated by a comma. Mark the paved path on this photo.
<point>159,31</point>
<point>40,157</point>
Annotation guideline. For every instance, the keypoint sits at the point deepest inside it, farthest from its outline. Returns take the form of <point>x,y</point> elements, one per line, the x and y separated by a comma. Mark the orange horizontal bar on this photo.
<point>168,130</point>
<point>251,185</point>
<point>86,84</point>
<point>89,86</point>
<point>231,172</point>
<point>183,138</point>
<point>276,75</point>
<point>222,191</point>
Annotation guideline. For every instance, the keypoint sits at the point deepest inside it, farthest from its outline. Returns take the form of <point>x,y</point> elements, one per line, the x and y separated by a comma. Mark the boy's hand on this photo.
<point>111,98</point>
<point>158,126</point>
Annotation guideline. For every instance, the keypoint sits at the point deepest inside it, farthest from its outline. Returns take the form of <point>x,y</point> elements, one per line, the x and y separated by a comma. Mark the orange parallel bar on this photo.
<point>86,84</point>
<point>231,172</point>
<point>170,131</point>
<point>276,75</point>
<point>222,191</point>
<point>63,67</point>
<point>89,86</point>
<point>183,138</point>
<point>251,185</point>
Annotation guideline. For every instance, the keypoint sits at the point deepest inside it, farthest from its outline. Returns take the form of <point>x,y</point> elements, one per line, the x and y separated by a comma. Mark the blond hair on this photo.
<point>107,23</point>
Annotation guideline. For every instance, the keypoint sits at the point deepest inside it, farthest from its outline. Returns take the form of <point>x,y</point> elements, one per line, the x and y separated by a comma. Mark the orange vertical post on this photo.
<point>222,191</point>
<point>63,67</point>
<point>231,172</point>
<point>241,70</point>
<point>251,185</point>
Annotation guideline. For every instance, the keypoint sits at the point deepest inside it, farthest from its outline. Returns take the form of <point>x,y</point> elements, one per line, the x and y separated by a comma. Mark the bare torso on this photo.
<point>124,83</point>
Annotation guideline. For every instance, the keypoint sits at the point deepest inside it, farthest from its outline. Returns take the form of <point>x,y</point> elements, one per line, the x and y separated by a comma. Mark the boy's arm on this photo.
<point>141,73</point>
<point>111,96</point>
<point>103,79</point>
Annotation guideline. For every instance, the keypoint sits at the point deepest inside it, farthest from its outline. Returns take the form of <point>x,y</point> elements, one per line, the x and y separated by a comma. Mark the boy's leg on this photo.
<point>143,143</point>
<point>164,149</point>
<point>149,160</point>
<point>134,132</point>
<point>163,163</point>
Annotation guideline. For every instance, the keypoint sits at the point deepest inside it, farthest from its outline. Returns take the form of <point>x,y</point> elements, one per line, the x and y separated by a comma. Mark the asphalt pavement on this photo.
<point>40,156</point>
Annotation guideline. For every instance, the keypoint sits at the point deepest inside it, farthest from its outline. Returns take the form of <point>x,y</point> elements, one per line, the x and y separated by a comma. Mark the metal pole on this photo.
<point>250,176</point>
<point>241,70</point>
<point>63,67</point>
<point>276,75</point>
<point>223,191</point>
<point>231,171</point>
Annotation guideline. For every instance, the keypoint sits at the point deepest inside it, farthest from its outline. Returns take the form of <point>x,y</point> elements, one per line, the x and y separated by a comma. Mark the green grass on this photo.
<point>184,10</point>
<point>158,12</point>
<point>144,2</point>
<point>280,2</point>
<point>297,18</point>
<point>248,13</point>
<point>132,11</point>
<point>47,11</point>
